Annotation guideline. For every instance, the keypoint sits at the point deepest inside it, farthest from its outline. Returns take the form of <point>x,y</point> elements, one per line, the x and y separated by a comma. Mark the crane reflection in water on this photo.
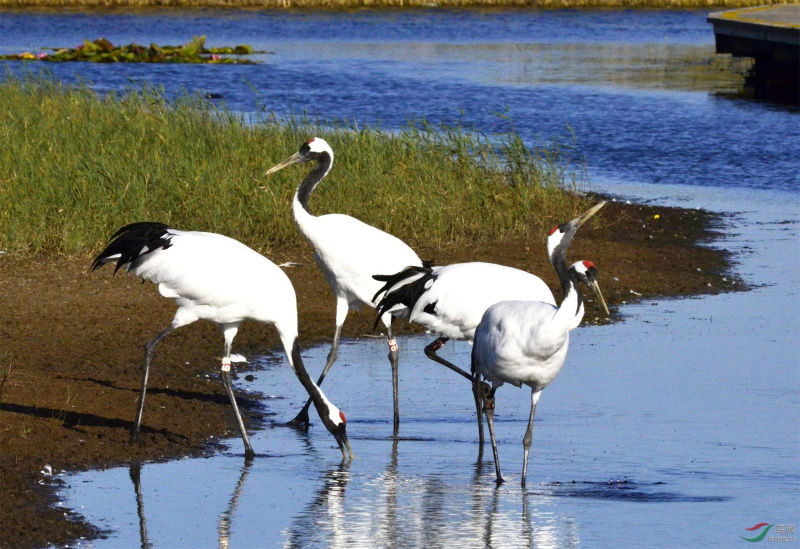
<point>378,512</point>
<point>392,509</point>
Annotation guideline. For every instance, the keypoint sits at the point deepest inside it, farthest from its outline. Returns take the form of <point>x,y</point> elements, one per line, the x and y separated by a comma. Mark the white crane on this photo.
<point>526,342</point>
<point>348,252</point>
<point>450,300</point>
<point>216,278</point>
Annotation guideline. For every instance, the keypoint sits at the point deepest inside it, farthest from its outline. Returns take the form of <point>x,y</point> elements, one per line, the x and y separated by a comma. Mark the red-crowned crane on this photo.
<point>348,252</point>
<point>219,279</point>
<point>526,342</point>
<point>451,300</point>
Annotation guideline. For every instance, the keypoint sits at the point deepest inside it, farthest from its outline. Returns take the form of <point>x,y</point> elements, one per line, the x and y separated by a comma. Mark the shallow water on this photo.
<point>693,401</point>
<point>614,81</point>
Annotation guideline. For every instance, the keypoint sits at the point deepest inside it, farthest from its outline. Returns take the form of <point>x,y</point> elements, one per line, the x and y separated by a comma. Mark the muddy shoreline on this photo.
<point>73,340</point>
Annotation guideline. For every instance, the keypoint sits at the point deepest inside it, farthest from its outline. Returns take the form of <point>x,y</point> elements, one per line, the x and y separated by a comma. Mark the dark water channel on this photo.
<point>614,80</point>
<point>694,401</point>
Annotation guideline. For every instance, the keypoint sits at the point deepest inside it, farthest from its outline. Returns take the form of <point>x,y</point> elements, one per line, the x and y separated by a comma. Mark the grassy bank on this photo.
<point>354,4</point>
<point>75,166</point>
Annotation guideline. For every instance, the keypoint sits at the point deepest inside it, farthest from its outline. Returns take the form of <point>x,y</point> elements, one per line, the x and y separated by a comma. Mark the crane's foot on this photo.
<point>136,439</point>
<point>500,480</point>
<point>300,421</point>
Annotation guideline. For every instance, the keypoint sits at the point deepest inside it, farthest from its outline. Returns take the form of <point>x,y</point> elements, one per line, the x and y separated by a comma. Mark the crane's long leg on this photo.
<point>394,355</point>
<point>149,352</point>
<point>477,385</point>
<point>430,352</point>
<point>526,441</point>
<point>301,419</point>
<point>488,408</point>
<point>478,392</point>
<point>230,333</point>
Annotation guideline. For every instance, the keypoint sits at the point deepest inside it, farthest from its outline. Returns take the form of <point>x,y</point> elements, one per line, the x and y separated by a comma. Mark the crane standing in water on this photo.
<point>526,342</point>
<point>451,300</point>
<point>348,252</point>
<point>216,278</point>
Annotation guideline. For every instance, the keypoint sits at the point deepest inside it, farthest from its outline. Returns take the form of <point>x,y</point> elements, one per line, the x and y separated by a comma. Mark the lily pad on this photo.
<point>103,51</point>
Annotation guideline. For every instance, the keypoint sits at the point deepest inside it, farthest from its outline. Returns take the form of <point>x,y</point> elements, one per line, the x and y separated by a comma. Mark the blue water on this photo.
<point>679,427</point>
<point>691,404</point>
<point>480,69</point>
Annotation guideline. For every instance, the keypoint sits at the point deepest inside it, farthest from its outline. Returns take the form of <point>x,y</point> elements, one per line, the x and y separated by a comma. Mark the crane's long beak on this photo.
<point>584,217</point>
<point>344,443</point>
<point>572,227</point>
<point>296,158</point>
<point>596,289</point>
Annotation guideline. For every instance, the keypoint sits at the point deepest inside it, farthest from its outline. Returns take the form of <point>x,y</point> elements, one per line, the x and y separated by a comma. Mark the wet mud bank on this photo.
<point>71,350</point>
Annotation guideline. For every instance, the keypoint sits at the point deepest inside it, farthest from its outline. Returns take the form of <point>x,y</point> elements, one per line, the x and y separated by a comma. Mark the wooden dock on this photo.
<point>770,35</point>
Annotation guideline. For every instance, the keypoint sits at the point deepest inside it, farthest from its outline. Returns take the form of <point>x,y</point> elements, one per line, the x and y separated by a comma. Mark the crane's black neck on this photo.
<point>304,190</point>
<point>317,397</point>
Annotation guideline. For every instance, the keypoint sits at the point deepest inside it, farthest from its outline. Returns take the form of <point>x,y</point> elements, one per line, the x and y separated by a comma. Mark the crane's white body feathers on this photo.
<point>525,342</point>
<point>216,278</point>
<point>515,344</point>
<point>463,291</point>
<point>349,252</point>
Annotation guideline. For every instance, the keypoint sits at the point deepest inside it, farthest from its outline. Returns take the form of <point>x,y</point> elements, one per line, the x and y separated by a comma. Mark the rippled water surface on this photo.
<point>690,404</point>
<point>613,80</point>
<point>679,427</point>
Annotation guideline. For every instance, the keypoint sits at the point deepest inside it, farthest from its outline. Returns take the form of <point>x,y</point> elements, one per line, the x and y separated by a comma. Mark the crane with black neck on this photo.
<point>349,252</point>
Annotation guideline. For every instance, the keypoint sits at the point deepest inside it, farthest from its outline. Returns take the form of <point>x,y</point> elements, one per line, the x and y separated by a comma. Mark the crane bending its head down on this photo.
<point>216,278</point>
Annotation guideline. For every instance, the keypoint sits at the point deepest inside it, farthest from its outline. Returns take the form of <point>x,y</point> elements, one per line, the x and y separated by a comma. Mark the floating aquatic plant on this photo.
<point>103,51</point>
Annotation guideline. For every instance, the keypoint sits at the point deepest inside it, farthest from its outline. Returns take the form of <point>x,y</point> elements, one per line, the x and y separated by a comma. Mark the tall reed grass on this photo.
<point>76,165</point>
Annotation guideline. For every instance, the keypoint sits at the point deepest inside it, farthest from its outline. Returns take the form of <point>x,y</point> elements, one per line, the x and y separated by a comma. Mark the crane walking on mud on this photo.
<point>348,252</point>
<point>526,342</point>
<point>451,300</point>
<point>216,278</point>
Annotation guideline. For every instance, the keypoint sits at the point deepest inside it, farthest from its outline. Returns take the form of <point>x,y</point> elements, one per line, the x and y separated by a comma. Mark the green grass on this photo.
<point>75,166</point>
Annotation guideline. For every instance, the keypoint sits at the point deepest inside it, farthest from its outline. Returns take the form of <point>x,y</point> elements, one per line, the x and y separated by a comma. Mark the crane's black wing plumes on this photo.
<point>133,241</point>
<point>403,288</point>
